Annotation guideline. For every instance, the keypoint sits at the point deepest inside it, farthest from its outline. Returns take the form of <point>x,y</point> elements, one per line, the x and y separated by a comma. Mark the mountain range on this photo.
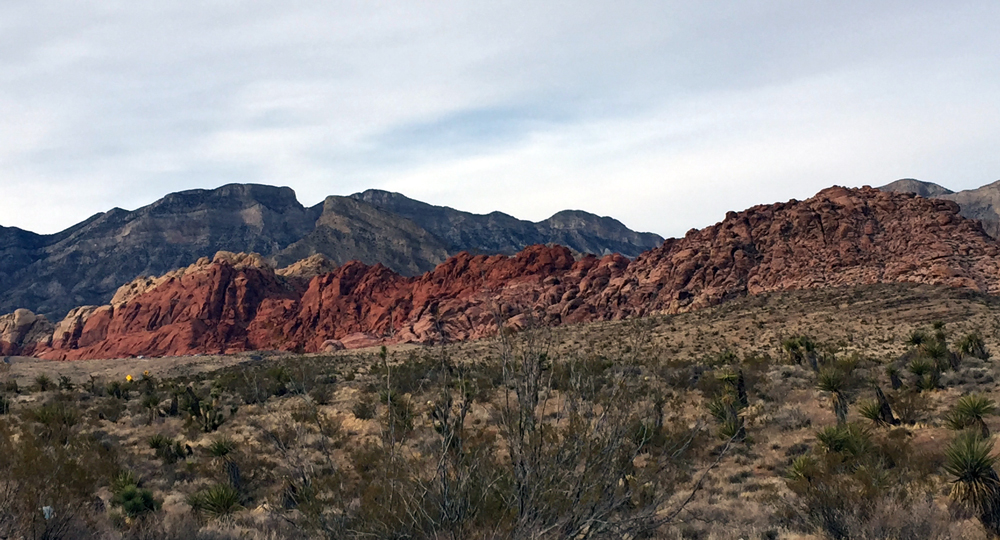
<point>238,302</point>
<point>86,263</point>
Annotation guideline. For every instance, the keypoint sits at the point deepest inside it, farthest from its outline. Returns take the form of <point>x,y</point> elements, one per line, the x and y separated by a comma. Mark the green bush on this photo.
<point>135,502</point>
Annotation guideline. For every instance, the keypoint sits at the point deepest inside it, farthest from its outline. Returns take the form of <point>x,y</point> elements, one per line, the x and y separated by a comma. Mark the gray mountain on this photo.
<point>87,262</point>
<point>928,190</point>
<point>982,203</point>
<point>501,233</point>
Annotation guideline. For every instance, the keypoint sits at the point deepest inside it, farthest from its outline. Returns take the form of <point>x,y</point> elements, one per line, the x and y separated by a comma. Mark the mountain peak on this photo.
<point>928,190</point>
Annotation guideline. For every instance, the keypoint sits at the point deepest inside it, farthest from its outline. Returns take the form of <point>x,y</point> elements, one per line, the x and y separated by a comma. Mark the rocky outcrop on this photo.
<point>982,203</point>
<point>23,332</point>
<point>839,237</point>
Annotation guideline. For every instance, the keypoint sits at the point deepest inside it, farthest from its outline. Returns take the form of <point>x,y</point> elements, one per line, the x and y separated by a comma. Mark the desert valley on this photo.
<point>231,364</point>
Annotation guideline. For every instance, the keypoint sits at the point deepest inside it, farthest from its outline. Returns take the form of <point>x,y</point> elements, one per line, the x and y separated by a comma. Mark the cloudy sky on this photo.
<point>663,114</point>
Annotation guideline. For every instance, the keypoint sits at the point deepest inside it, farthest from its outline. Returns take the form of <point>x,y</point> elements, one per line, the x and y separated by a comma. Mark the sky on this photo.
<point>663,114</point>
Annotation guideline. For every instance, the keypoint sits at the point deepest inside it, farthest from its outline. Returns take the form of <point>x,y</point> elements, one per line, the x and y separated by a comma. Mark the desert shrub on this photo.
<point>167,449</point>
<point>5,404</point>
<point>65,383</point>
<point>397,419</point>
<point>972,345</point>
<point>135,502</point>
<point>220,501</point>
<point>849,476</point>
<point>207,413</point>
<point>44,383</point>
<point>801,350</point>
<point>791,418</point>
<point>910,406</point>
<point>364,408</point>
<point>119,390</point>
<point>38,473</point>
<point>123,479</point>
<point>322,394</point>
<point>55,421</point>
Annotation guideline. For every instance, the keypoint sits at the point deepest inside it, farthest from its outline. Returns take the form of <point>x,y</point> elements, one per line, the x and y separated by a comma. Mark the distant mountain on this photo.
<point>85,264</point>
<point>928,190</point>
<point>982,203</point>
<point>501,233</point>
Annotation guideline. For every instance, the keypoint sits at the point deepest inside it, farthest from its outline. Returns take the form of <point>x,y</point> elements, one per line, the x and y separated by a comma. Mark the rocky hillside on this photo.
<point>982,203</point>
<point>87,262</point>
<point>839,237</point>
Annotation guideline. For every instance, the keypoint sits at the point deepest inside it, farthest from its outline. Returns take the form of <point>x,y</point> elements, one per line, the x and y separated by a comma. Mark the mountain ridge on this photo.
<point>85,263</point>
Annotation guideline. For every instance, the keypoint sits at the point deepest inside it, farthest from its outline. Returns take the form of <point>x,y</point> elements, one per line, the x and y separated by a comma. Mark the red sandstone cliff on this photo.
<point>839,237</point>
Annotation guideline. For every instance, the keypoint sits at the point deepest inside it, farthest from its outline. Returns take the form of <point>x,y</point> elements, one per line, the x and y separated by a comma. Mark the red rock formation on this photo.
<point>839,237</point>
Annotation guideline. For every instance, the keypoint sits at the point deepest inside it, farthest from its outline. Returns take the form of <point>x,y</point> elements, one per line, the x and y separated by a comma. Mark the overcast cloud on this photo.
<point>662,114</point>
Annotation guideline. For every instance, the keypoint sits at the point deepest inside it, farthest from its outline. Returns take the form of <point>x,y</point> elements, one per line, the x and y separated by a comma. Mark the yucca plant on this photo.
<point>920,367</point>
<point>917,338</point>
<point>849,440</point>
<point>220,501</point>
<point>974,346</point>
<point>804,467</point>
<point>223,448</point>
<point>122,480</point>
<point>799,349</point>
<point>976,485</point>
<point>971,412</point>
<point>719,408</point>
<point>736,385</point>
<point>835,382</point>
<point>937,352</point>
<point>870,409</point>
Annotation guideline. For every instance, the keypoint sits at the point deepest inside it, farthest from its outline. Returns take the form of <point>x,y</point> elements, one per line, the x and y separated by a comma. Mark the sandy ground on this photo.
<point>25,369</point>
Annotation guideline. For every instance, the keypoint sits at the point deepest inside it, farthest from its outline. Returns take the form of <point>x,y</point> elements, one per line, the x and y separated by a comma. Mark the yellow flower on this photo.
<point>145,373</point>
<point>128,378</point>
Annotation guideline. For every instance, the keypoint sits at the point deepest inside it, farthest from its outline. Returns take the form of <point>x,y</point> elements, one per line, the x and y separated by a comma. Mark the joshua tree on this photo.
<point>971,412</point>
<point>976,486</point>
<point>835,382</point>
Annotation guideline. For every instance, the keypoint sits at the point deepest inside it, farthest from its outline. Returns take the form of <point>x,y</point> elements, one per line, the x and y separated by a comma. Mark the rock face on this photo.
<point>839,237</point>
<point>50,274</point>
<point>982,203</point>
<point>22,332</point>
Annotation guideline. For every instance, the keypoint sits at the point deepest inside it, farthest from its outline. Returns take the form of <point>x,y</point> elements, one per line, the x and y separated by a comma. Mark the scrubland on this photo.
<point>835,413</point>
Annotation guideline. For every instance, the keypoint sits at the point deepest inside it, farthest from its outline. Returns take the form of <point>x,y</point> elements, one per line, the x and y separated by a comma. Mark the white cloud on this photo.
<point>662,114</point>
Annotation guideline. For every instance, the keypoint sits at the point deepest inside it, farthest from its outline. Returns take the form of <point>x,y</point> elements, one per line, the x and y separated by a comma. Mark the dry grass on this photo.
<point>308,422</point>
